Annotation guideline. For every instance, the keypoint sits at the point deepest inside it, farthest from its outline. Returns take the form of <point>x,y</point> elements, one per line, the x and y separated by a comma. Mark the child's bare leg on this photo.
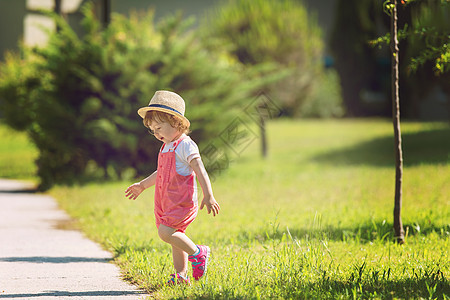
<point>177,239</point>
<point>182,246</point>
<point>180,260</point>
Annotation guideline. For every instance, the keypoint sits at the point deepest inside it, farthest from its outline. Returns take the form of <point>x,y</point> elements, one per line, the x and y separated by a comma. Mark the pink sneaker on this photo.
<point>200,261</point>
<point>178,279</point>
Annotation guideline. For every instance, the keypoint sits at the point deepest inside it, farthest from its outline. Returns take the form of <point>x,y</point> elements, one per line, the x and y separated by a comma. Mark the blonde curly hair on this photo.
<point>162,117</point>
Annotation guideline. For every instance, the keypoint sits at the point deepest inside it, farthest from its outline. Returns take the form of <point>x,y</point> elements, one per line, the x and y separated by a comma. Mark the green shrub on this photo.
<point>77,97</point>
<point>281,33</point>
<point>326,99</point>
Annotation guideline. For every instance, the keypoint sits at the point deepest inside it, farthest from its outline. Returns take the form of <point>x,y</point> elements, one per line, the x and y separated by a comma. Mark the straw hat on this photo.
<point>168,102</point>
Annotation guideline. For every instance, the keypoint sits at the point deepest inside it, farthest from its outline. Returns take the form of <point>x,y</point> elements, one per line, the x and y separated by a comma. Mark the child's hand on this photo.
<point>211,205</point>
<point>133,191</point>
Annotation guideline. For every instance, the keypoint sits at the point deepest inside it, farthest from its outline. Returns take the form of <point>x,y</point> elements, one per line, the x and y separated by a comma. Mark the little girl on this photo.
<point>176,203</point>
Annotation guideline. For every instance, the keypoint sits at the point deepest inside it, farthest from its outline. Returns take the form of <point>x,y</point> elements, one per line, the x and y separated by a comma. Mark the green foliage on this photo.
<point>428,34</point>
<point>312,221</point>
<point>77,97</point>
<point>280,33</point>
<point>424,51</point>
<point>326,100</point>
<point>19,80</point>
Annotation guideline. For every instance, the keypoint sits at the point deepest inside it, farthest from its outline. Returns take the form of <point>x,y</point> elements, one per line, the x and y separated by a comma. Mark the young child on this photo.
<point>176,203</point>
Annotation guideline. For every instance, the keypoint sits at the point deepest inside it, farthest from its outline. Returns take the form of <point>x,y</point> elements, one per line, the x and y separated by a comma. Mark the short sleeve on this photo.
<point>186,151</point>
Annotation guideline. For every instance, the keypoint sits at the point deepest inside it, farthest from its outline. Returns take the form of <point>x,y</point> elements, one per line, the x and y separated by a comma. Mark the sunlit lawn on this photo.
<point>17,155</point>
<point>312,220</point>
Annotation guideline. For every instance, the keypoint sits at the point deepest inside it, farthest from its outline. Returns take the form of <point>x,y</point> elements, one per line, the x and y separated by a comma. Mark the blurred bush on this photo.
<point>326,99</point>
<point>77,97</point>
<point>281,34</point>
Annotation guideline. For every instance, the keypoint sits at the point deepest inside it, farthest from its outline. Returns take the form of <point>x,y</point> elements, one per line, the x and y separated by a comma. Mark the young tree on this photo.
<point>398,226</point>
<point>435,49</point>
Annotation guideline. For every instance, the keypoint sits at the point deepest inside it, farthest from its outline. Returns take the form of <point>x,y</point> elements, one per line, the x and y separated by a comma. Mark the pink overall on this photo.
<point>176,204</point>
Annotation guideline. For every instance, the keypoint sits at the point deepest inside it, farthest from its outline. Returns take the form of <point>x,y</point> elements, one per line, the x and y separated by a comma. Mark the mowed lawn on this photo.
<point>17,155</point>
<point>311,221</point>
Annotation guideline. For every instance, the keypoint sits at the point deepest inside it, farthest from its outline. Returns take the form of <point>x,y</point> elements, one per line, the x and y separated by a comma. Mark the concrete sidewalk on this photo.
<point>39,261</point>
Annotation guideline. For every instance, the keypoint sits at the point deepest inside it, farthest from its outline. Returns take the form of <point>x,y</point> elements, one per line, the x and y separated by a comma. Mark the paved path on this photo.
<point>39,261</point>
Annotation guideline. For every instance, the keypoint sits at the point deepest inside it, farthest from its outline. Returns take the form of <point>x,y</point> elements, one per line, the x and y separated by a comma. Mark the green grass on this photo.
<point>17,155</point>
<point>313,220</point>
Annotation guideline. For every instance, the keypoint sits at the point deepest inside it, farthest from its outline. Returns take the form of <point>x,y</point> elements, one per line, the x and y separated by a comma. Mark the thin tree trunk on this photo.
<point>398,226</point>
<point>57,10</point>
<point>106,12</point>
<point>262,126</point>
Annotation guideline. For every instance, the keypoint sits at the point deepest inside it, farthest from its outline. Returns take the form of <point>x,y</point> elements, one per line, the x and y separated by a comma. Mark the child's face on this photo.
<point>164,132</point>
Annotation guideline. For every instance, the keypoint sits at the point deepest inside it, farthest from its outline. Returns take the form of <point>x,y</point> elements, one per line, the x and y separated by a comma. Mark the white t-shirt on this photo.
<point>186,151</point>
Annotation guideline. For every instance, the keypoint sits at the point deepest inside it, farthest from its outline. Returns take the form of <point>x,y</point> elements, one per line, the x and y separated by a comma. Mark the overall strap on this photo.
<point>175,145</point>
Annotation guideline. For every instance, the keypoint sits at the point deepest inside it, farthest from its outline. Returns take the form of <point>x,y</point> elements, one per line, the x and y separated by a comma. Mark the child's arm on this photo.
<point>205,183</point>
<point>134,190</point>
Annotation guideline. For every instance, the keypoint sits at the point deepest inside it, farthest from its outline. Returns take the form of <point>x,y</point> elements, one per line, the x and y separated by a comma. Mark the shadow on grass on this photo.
<point>363,233</point>
<point>427,286</point>
<point>425,147</point>
<point>368,284</point>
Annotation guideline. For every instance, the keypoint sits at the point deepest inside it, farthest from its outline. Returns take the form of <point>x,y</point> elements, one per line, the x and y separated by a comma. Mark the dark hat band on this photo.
<point>165,107</point>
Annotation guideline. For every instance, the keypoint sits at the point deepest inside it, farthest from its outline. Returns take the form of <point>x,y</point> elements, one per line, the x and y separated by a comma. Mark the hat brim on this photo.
<point>142,111</point>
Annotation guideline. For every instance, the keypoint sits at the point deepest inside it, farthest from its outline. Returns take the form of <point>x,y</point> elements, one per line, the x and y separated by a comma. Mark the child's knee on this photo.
<point>165,233</point>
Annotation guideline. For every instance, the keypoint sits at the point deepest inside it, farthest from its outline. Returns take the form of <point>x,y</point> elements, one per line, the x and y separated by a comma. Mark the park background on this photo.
<point>308,217</point>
